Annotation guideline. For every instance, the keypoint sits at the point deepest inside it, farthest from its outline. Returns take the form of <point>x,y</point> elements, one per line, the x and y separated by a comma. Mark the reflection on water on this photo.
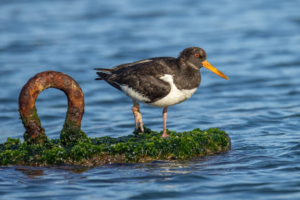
<point>30,172</point>
<point>255,43</point>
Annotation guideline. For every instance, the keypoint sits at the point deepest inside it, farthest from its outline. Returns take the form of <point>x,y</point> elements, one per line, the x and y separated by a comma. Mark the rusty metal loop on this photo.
<point>30,92</point>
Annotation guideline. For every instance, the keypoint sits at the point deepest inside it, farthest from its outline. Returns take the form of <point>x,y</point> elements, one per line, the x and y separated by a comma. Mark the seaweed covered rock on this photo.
<point>104,150</point>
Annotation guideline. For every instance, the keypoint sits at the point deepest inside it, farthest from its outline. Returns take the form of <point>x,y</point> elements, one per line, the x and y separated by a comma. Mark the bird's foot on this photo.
<point>138,118</point>
<point>165,135</point>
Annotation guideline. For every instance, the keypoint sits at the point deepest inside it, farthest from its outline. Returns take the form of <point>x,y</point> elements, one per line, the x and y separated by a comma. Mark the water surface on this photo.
<point>256,44</point>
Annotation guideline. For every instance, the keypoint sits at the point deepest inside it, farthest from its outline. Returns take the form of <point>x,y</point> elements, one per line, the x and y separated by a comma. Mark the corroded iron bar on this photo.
<point>29,93</point>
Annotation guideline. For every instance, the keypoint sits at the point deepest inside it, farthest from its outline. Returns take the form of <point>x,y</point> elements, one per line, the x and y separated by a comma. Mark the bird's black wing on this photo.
<point>142,76</point>
<point>125,65</point>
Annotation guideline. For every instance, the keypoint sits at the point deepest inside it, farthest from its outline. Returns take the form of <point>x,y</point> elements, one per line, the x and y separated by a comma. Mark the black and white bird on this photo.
<point>159,81</point>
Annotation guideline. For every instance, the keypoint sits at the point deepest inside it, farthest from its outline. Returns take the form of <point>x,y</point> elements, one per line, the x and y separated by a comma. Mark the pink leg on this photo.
<point>137,116</point>
<point>165,114</point>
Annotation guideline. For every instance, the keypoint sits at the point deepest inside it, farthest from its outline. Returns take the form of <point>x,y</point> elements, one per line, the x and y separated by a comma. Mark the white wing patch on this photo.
<point>135,95</point>
<point>175,96</point>
<point>141,61</point>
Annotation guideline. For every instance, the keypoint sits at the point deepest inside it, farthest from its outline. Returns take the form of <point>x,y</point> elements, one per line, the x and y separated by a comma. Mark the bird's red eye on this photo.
<point>197,55</point>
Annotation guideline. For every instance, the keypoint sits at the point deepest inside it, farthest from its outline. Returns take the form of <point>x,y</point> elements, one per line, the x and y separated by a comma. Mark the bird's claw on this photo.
<point>138,118</point>
<point>139,122</point>
<point>142,126</point>
<point>165,135</point>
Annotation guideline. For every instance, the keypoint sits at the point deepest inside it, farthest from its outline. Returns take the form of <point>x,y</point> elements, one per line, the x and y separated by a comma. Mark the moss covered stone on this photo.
<point>104,150</point>
<point>71,134</point>
<point>35,133</point>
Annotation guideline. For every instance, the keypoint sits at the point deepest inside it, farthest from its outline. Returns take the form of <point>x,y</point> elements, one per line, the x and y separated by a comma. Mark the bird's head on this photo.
<point>195,57</point>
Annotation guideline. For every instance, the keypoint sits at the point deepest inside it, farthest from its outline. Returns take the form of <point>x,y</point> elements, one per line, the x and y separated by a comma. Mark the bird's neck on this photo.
<point>187,77</point>
<point>181,60</point>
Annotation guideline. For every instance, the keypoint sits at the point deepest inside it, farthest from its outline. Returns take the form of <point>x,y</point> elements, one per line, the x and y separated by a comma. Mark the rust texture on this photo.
<point>40,82</point>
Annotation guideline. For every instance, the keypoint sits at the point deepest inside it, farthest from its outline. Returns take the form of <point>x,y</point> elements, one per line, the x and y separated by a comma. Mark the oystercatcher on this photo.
<point>159,81</point>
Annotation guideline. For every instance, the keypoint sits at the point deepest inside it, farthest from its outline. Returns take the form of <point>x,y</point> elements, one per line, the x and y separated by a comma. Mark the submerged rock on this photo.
<point>126,149</point>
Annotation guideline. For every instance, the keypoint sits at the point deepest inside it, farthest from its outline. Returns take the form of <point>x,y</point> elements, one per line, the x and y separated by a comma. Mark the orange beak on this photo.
<point>213,69</point>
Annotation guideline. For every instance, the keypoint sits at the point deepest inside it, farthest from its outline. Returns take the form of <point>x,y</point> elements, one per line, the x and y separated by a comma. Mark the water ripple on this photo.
<point>254,44</point>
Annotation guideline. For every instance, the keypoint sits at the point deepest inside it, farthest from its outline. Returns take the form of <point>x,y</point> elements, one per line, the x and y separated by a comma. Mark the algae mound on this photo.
<point>105,150</point>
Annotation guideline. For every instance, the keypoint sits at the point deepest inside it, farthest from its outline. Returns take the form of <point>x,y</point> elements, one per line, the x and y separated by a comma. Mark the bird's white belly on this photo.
<point>175,96</point>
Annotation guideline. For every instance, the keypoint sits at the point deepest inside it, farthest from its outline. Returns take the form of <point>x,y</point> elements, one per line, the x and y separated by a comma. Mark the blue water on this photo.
<point>255,43</point>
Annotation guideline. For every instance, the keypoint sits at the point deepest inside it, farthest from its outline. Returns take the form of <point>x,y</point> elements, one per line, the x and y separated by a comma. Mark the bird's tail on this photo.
<point>106,76</point>
<point>103,73</point>
<point>102,76</point>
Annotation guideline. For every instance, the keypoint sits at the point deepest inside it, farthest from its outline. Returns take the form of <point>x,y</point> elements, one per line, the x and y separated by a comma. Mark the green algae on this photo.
<point>41,138</point>
<point>126,149</point>
<point>71,134</point>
